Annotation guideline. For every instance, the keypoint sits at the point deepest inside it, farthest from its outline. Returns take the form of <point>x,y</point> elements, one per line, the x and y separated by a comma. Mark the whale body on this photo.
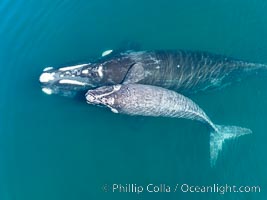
<point>147,100</point>
<point>182,71</point>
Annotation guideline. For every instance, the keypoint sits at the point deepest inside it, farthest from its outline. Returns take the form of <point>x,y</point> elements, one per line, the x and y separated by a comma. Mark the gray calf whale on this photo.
<point>182,71</point>
<point>147,100</point>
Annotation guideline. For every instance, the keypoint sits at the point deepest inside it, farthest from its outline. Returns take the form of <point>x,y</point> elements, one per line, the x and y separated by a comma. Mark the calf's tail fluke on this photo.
<point>221,133</point>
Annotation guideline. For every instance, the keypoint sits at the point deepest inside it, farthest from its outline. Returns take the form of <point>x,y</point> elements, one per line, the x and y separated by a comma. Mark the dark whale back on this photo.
<point>190,71</point>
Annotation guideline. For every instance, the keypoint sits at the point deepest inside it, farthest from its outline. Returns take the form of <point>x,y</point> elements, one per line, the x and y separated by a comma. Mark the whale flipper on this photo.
<point>222,133</point>
<point>107,52</point>
<point>135,74</point>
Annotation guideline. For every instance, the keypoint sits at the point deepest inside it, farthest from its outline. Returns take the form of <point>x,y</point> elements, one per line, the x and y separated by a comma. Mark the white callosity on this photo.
<point>72,82</point>
<point>46,77</point>
<point>85,71</point>
<point>47,91</point>
<point>100,71</point>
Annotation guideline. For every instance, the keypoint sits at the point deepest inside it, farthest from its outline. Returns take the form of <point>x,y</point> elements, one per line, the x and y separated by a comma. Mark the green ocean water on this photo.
<point>58,148</point>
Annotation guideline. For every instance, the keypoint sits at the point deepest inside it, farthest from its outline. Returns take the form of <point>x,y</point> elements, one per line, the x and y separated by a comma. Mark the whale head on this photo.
<point>104,96</point>
<point>71,80</point>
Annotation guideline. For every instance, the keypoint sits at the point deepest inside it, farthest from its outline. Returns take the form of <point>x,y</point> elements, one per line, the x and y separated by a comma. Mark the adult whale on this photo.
<point>147,100</point>
<point>183,71</point>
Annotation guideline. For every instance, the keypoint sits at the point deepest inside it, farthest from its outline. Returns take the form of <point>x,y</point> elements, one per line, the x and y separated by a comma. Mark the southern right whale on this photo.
<point>182,71</point>
<point>147,100</point>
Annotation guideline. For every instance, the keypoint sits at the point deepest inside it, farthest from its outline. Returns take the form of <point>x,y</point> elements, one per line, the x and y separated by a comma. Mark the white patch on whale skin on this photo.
<point>72,82</point>
<point>71,67</point>
<point>114,110</point>
<point>46,77</point>
<point>100,71</point>
<point>85,71</point>
<point>47,91</point>
<point>90,98</point>
<point>47,68</point>
<point>116,87</point>
<point>105,53</point>
<point>155,60</point>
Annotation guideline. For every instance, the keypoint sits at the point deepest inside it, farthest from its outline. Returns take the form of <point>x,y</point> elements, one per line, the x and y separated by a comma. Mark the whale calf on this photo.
<point>182,71</point>
<point>147,100</point>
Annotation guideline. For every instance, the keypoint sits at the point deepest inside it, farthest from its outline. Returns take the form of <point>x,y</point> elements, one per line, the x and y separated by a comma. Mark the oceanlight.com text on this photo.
<point>182,188</point>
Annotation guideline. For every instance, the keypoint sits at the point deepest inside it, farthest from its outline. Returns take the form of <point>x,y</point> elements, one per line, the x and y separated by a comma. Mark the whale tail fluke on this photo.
<point>222,133</point>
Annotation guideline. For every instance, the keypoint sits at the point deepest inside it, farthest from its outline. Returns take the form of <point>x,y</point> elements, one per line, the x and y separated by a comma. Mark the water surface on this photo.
<point>58,148</point>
